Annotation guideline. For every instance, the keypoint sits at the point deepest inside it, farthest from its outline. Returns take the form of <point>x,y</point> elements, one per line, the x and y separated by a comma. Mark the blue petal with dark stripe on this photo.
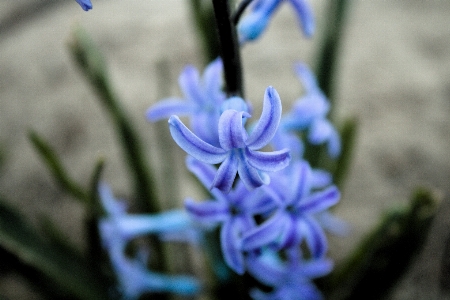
<point>268,123</point>
<point>193,145</point>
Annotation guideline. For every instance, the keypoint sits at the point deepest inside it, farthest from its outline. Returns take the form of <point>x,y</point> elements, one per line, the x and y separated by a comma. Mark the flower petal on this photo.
<point>250,175</point>
<point>267,268</point>
<point>319,131</point>
<point>212,80</point>
<point>268,123</point>
<point>320,178</point>
<point>205,173</point>
<point>113,207</point>
<point>167,107</point>
<point>305,74</point>
<point>177,284</point>
<point>319,201</point>
<point>210,133</point>
<point>85,4</point>
<point>131,226</point>
<point>260,201</point>
<point>231,130</point>
<point>285,139</point>
<point>266,233</point>
<point>333,224</point>
<point>314,236</point>
<point>189,82</point>
<point>301,181</point>
<point>230,242</point>
<point>208,213</point>
<point>316,268</point>
<point>226,173</point>
<point>268,161</point>
<point>305,16</point>
<point>193,145</point>
<point>254,24</point>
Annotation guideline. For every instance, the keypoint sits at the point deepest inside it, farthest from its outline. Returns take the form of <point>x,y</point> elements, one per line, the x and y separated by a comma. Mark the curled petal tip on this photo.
<point>85,4</point>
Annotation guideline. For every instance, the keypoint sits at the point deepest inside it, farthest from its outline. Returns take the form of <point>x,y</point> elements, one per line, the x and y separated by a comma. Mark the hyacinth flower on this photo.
<point>238,150</point>
<point>234,212</point>
<point>294,219</point>
<point>289,277</point>
<point>85,4</point>
<point>253,25</point>
<point>310,113</point>
<point>117,228</point>
<point>202,100</point>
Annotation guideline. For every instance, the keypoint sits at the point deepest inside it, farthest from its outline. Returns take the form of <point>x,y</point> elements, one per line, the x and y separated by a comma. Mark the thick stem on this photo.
<point>229,48</point>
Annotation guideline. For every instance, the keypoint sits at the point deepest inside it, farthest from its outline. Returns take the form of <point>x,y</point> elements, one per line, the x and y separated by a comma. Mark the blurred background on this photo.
<point>393,76</point>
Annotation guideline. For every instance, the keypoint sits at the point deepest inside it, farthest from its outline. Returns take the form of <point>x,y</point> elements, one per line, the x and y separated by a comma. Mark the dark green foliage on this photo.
<point>67,273</point>
<point>385,254</point>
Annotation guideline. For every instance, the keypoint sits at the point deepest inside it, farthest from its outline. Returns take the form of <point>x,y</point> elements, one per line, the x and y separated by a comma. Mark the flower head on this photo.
<point>233,212</point>
<point>238,149</point>
<point>254,24</point>
<point>310,113</point>
<point>85,4</point>
<point>202,100</point>
<point>290,277</point>
<point>294,221</point>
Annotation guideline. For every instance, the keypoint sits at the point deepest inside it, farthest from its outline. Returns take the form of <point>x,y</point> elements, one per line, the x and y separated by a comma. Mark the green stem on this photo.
<point>229,46</point>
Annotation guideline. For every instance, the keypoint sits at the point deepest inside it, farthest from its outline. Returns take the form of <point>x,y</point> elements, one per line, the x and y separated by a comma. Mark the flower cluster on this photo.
<point>269,205</point>
<point>271,227</point>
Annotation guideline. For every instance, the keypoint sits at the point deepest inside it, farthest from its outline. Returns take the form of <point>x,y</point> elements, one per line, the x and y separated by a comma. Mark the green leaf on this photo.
<point>67,271</point>
<point>56,167</point>
<point>385,254</point>
<point>92,64</point>
<point>348,135</point>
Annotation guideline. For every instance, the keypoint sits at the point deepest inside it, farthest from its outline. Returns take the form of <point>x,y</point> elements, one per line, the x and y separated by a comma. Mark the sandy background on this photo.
<point>394,76</point>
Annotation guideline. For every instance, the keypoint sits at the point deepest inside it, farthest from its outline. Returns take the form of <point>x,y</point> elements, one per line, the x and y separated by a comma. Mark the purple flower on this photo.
<point>293,221</point>
<point>117,228</point>
<point>233,212</point>
<point>290,278</point>
<point>202,100</point>
<point>310,113</point>
<point>238,150</point>
<point>254,24</point>
<point>85,4</point>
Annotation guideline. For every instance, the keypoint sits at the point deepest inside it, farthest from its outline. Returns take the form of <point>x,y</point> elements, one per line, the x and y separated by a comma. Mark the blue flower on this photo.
<point>310,112</point>
<point>254,24</point>
<point>234,212</point>
<point>202,100</point>
<point>293,221</point>
<point>290,277</point>
<point>238,150</point>
<point>117,228</point>
<point>85,4</point>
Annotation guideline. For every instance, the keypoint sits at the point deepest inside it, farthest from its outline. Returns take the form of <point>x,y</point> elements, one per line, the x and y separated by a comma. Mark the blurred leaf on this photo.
<point>385,254</point>
<point>56,168</point>
<point>66,271</point>
<point>327,62</point>
<point>91,62</point>
<point>202,14</point>
<point>348,138</point>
